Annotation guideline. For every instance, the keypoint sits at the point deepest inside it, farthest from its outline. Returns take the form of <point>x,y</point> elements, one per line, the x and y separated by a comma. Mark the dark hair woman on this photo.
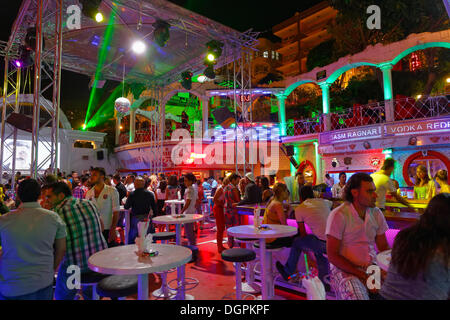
<point>267,193</point>
<point>420,261</point>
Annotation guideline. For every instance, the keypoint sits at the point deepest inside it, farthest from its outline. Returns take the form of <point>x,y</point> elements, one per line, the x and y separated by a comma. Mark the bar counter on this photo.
<point>397,215</point>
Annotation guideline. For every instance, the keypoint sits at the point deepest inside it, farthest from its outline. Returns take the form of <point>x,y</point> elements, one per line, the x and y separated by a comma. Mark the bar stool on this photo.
<point>249,286</point>
<point>118,287</point>
<point>91,279</point>
<point>238,256</point>
<point>164,292</point>
<point>270,249</point>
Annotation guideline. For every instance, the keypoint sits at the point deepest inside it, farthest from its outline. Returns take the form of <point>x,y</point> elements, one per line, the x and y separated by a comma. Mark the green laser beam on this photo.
<point>101,61</point>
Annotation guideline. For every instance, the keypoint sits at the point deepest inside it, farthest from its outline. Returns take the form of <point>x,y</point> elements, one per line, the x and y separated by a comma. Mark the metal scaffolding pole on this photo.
<point>37,91</point>
<point>56,87</point>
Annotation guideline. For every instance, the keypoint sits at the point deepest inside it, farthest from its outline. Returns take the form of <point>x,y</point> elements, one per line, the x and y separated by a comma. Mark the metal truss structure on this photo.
<point>47,64</point>
<point>133,18</point>
<point>243,111</point>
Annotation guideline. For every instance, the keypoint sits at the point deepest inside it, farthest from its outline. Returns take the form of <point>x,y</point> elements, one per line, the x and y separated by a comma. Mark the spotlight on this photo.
<point>90,9</point>
<point>138,47</point>
<point>201,78</point>
<point>30,39</point>
<point>210,73</point>
<point>161,34</point>
<point>25,59</point>
<point>186,80</point>
<point>99,17</point>
<point>214,51</point>
<point>448,80</point>
<point>84,126</point>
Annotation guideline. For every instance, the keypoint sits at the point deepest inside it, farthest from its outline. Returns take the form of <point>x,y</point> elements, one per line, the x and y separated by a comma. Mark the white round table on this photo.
<point>169,219</point>
<point>178,222</point>
<point>275,231</point>
<point>384,259</point>
<point>124,260</point>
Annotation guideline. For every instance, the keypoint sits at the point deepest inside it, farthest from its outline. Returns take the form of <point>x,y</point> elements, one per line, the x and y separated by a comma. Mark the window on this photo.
<point>278,56</point>
<point>273,55</point>
<point>266,54</point>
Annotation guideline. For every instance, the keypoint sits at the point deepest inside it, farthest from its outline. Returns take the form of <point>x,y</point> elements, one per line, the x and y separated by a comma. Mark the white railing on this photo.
<point>375,113</point>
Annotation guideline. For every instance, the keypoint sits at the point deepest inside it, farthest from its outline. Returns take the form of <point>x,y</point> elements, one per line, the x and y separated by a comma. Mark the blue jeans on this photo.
<point>43,294</point>
<point>62,292</point>
<point>308,243</point>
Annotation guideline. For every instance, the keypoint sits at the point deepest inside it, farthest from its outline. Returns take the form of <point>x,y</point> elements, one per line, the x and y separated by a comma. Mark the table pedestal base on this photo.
<point>250,288</point>
<point>143,287</point>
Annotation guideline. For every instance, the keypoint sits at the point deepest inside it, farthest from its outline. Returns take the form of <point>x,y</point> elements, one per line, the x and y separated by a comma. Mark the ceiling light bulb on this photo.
<point>138,47</point>
<point>99,17</point>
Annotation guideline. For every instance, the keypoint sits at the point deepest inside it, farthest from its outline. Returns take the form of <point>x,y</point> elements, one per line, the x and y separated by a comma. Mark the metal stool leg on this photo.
<point>95,295</point>
<point>237,267</point>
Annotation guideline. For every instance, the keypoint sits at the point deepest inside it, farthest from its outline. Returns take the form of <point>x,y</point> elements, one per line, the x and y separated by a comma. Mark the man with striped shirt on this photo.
<point>84,235</point>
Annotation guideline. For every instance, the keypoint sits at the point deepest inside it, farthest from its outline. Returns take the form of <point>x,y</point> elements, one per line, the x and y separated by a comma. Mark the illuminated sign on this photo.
<point>427,126</point>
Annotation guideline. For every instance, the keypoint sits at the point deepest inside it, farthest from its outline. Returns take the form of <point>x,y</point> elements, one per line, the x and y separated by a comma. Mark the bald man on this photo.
<point>142,204</point>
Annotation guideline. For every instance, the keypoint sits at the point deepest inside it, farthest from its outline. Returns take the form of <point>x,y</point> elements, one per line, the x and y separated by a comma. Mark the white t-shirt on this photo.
<point>190,194</point>
<point>337,191</point>
<point>357,236</point>
<point>130,187</point>
<point>107,202</point>
<point>161,195</point>
<point>314,212</point>
<point>384,184</point>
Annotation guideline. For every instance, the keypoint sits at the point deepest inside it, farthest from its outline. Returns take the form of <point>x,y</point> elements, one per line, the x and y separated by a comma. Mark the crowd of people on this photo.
<point>62,219</point>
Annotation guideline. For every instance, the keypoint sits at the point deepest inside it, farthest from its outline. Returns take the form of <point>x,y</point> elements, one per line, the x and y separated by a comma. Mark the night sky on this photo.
<point>242,15</point>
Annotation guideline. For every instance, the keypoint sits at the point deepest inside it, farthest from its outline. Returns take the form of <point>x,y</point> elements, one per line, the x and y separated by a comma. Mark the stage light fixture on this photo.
<point>210,73</point>
<point>90,9</point>
<point>84,126</point>
<point>448,80</point>
<point>161,35</point>
<point>25,57</point>
<point>201,78</point>
<point>138,47</point>
<point>213,52</point>
<point>186,80</point>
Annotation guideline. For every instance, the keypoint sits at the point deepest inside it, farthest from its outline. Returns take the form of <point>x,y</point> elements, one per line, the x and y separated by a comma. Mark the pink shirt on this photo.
<point>357,236</point>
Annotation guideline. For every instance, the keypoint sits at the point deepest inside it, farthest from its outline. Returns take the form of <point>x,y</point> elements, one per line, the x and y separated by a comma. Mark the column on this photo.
<point>320,174</point>
<point>205,113</point>
<point>282,113</point>
<point>132,125</point>
<point>325,97</point>
<point>325,87</point>
<point>388,91</point>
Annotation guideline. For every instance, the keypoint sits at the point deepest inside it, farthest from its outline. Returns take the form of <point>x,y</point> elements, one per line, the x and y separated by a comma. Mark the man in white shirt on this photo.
<point>385,185</point>
<point>106,198</point>
<point>190,198</point>
<point>314,212</point>
<point>353,229</point>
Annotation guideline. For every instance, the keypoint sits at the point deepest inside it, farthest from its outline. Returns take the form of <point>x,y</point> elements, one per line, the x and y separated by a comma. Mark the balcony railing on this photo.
<point>375,113</point>
<point>303,127</point>
<point>358,116</point>
<point>410,108</point>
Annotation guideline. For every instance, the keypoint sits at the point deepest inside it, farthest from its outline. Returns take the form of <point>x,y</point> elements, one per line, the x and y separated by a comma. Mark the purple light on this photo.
<point>18,63</point>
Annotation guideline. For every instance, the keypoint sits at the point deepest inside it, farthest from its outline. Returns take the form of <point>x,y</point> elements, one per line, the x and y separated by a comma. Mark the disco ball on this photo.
<point>122,105</point>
